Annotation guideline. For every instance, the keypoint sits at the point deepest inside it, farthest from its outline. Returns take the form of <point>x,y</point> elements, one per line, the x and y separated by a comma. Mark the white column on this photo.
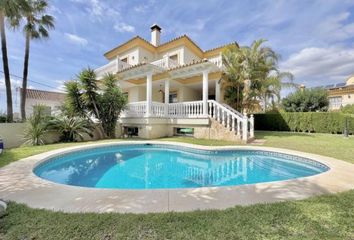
<point>205,92</point>
<point>244,128</point>
<point>217,91</point>
<point>117,63</point>
<point>148,93</point>
<point>167,95</point>
<point>252,126</point>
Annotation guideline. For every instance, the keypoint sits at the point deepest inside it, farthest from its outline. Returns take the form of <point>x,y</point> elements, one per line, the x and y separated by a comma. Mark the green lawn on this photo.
<point>324,217</point>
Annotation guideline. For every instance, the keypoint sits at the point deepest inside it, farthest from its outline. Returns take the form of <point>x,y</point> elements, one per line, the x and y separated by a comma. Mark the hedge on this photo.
<point>319,122</point>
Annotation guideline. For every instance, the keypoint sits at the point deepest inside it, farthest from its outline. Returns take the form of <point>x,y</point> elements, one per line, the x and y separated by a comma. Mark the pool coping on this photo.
<point>18,183</point>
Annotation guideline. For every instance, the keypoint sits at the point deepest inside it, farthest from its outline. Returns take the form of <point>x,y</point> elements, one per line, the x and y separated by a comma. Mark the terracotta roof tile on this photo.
<point>131,67</point>
<point>222,46</point>
<point>44,95</point>
<point>189,64</point>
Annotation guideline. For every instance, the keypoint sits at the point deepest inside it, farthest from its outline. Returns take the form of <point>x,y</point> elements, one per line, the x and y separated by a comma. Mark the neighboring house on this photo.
<point>341,94</point>
<point>51,100</point>
<point>173,88</point>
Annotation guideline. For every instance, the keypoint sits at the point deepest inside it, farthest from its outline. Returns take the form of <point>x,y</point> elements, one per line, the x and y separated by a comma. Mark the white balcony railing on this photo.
<point>216,60</point>
<point>136,109</point>
<point>165,63</point>
<point>232,120</point>
<point>185,109</point>
<point>111,67</point>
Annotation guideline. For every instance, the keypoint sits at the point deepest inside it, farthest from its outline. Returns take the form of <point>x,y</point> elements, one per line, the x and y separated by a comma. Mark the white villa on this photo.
<point>172,88</point>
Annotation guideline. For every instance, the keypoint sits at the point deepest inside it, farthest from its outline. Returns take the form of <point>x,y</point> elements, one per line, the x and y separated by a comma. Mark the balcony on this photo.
<point>112,67</point>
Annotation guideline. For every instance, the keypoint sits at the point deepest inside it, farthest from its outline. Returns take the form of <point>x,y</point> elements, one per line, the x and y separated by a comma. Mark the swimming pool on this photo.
<point>159,166</point>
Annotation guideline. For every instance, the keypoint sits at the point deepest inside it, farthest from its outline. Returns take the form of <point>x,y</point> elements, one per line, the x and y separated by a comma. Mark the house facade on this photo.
<point>341,94</point>
<point>51,101</point>
<point>173,88</point>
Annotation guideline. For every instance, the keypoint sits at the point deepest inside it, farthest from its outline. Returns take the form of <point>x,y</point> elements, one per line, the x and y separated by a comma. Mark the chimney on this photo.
<point>155,35</point>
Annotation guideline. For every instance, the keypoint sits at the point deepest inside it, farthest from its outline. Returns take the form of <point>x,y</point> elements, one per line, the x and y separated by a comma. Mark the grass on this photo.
<point>323,217</point>
<point>331,145</point>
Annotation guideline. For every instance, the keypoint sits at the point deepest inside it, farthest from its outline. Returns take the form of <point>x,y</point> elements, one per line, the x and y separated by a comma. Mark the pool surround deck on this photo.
<point>18,183</point>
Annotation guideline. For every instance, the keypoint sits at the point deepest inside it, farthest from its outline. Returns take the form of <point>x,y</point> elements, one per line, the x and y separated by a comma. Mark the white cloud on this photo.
<point>76,39</point>
<point>335,28</point>
<point>98,10</point>
<point>124,27</point>
<point>144,7</point>
<point>320,66</point>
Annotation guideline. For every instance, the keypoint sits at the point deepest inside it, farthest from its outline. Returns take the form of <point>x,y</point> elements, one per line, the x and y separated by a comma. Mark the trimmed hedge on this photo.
<point>319,122</point>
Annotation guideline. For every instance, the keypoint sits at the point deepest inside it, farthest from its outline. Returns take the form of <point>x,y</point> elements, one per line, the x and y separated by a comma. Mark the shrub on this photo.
<point>349,109</point>
<point>307,100</point>
<point>3,118</point>
<point>319,122</point>
<point>36,126</point>
<point>71,128</point>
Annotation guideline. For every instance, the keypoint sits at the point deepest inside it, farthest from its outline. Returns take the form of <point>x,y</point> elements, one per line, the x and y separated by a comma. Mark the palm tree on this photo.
<point>8,9</point>
<point>36,27</point>
<point>86,99</point>
<point>233,80</point>
<point>272,85</point>
<point>248,74</point>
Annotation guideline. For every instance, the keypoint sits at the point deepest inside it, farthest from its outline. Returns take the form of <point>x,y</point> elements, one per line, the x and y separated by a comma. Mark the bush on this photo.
<point>3,118</point>
<point>349,109</point>
<point>307,100</point>
<point>319,122</point>
<point>36,126</point>
<point>71,129</point>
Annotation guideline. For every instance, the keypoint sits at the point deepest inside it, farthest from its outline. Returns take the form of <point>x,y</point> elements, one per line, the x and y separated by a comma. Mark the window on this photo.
<point>174,57</point>
<point>125,60</point>
<point>173,98</point>
<point>131,131</point>
<point>335,102</point>
<point>184,131</point>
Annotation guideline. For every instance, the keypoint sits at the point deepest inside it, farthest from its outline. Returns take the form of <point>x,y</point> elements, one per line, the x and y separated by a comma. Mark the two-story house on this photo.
<point>172,88</point>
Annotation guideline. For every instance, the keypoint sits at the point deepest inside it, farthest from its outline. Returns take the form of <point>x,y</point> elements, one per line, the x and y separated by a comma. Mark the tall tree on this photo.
<point>9,9</point>
<point>104,101</point>
<point>271,87</point>
<point>37,25</point>
<point>251,75</point>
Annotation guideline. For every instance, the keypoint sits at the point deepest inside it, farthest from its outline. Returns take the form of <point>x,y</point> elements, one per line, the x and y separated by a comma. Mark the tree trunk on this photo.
<point>10,116</point>
<point>24,80</point>
<point>265,103</point>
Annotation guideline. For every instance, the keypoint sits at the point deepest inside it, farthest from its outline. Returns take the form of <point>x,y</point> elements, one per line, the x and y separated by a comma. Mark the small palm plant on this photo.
<point>36,126</point>
<point>71,128</point>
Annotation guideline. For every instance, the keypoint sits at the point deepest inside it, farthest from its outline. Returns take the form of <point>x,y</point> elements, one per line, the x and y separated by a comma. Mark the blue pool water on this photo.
<point>164,166</point>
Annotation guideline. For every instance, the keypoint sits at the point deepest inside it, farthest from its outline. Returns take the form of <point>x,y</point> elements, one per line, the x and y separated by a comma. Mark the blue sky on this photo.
<point>314,38</point>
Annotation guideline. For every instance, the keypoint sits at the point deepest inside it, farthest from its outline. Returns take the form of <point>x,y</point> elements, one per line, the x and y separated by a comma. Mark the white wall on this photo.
<point>30,103</point>
<point>132,55</point>
<point>186,94</point>
<point>189,56</point>
<point>143,53</point>
<point>12,134</point>
<point>178,50</point>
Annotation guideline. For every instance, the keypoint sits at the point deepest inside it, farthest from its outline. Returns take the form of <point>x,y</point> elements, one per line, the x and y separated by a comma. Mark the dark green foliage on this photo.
<point>71,128</point>
<point>3,118</point>
<point>85,98</point>
<point>306,100</point>
<point>319,122</point>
